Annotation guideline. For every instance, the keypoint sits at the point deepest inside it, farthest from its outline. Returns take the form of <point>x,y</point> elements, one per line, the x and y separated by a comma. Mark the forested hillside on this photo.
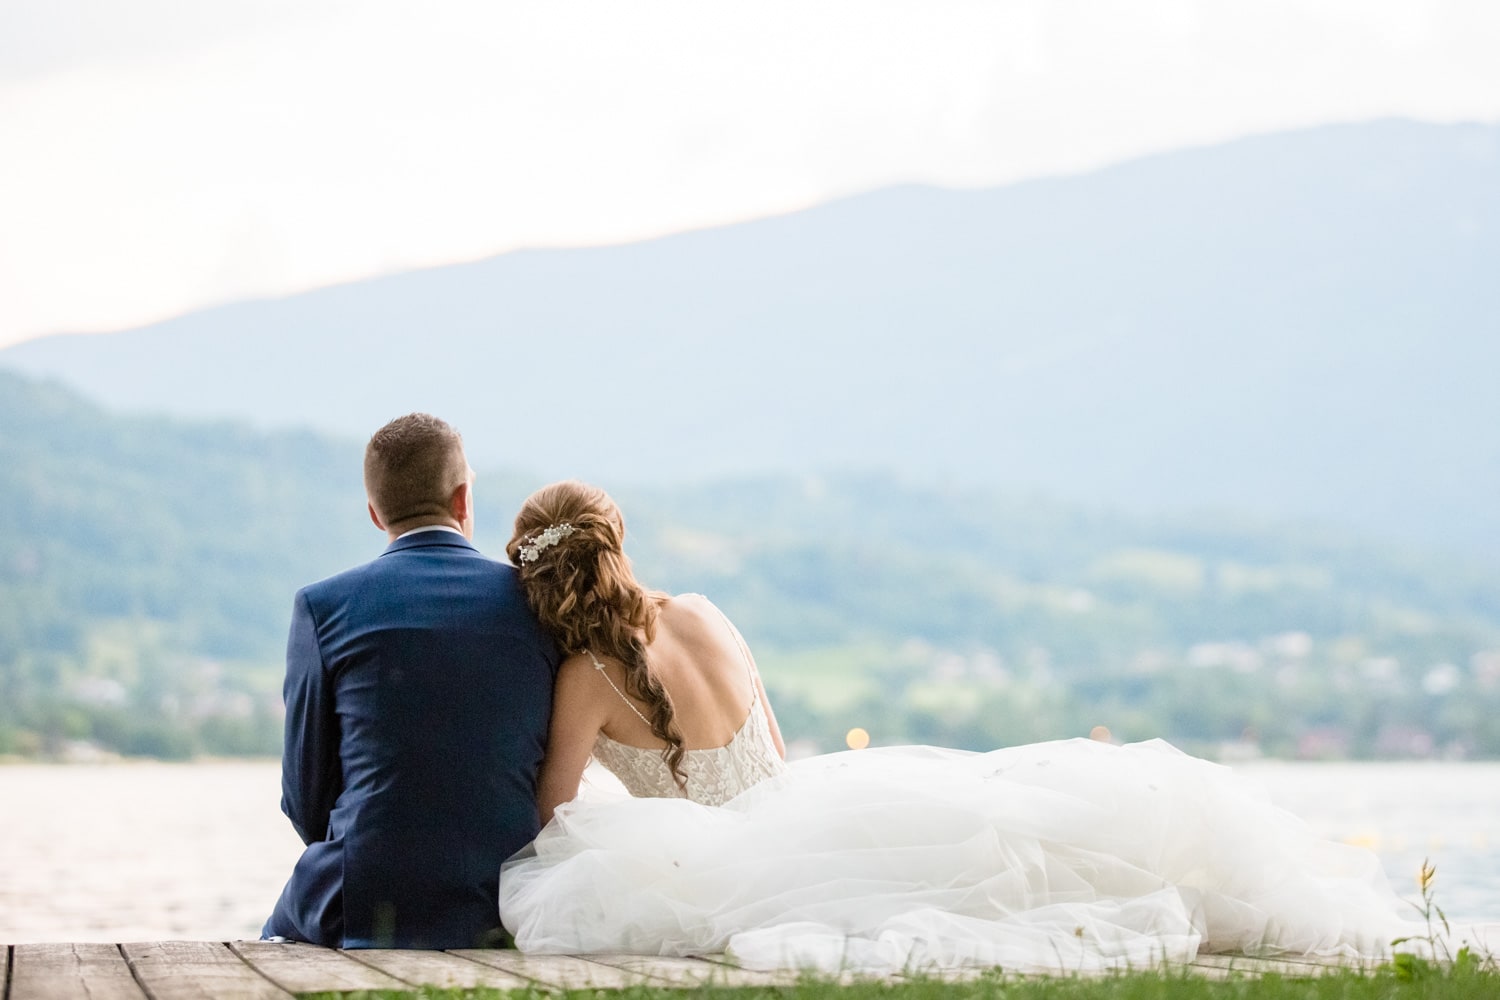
<point>969,618</point>
<point>148,566</point>
<point>145,567</point>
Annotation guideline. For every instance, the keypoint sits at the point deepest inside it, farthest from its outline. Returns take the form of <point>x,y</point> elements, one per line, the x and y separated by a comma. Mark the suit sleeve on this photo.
<point>310,774</point>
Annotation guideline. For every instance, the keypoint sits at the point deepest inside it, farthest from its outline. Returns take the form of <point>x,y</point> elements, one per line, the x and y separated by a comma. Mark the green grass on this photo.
<point>1384,984</point>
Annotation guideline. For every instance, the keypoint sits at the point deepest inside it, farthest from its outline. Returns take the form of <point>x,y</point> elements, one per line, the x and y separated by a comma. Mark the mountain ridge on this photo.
<point>1297,325</point>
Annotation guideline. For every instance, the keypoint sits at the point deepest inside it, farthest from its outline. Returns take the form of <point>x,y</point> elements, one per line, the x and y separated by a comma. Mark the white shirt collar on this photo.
<point>430,527</point>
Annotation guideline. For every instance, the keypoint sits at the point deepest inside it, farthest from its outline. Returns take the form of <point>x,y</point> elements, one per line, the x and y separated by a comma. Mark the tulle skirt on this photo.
<point>1072,855</point>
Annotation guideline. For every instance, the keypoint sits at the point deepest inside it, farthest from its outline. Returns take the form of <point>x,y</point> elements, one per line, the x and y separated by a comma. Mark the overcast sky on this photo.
<point>163,155</point>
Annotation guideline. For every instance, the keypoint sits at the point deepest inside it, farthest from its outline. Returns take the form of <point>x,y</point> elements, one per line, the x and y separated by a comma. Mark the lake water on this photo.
<point>147,851</point>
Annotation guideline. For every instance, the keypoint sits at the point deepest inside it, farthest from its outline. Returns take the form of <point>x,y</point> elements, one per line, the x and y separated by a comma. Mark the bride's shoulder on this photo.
<point>578,668</point>
<point>578,691</point>
<point>690,602</point>
<point>688,609</point>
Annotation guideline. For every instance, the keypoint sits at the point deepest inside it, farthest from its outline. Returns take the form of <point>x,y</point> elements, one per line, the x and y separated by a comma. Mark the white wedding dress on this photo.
<point>1072,855</point>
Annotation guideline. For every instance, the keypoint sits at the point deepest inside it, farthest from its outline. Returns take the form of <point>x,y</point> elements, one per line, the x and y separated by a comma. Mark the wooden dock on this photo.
<point>262,970</point>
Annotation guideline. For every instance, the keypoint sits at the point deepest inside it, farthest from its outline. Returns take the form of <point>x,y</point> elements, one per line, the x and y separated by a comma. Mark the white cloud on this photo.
<point>286,146</point>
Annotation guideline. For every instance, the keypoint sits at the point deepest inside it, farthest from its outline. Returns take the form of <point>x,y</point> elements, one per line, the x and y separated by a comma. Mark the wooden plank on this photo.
<point>791,977</point>
<point>190,970</point>
<point>690,972</point>
<point>970,973</point>
<point>966,974</point>
<point>1294,966</point>
<point>562,972</point>
<point>264,970</point>
<point>58,971</point>
<point>307,968</point>
<point>1223,967</point>
<point>437,968</point>
<point>1328,963</point>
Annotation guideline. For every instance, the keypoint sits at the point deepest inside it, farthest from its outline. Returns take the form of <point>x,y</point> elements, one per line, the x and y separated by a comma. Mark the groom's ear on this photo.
<point>374,517</point>
<point>461,503</point>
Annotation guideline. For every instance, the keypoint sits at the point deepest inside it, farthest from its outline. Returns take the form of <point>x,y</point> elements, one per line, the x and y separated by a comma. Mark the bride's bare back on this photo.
<point>701,661</point>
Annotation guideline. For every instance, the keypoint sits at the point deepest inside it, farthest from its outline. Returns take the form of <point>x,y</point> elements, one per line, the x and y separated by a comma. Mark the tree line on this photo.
<point>148,569</point>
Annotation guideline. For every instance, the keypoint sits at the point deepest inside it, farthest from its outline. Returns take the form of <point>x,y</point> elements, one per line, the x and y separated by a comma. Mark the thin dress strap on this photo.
<point>605,674</point>
<point>739,641</point>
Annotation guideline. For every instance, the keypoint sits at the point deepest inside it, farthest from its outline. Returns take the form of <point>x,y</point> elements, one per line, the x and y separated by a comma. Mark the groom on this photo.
<point>418,691</point>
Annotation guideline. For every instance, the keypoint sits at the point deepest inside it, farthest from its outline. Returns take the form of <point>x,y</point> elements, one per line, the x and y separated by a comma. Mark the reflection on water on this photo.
<point>130,852</point>
<point>140,852</point>
<point>1405,812</point>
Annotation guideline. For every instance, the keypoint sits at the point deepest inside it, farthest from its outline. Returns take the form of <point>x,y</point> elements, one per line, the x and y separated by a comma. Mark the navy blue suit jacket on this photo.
<point>418,692</point>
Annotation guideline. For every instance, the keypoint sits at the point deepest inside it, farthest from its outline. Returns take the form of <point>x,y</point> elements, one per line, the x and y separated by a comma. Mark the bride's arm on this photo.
<point>577,717</point>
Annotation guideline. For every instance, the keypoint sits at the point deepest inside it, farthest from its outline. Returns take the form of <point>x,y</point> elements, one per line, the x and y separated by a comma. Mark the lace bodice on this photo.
<point>714,776</point>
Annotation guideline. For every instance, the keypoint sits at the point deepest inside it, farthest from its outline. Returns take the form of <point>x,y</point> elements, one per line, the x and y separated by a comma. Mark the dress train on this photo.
<point>1070,855</point>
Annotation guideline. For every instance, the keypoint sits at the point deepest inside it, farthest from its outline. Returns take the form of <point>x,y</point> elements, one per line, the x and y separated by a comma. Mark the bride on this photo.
<point>1071,855</point>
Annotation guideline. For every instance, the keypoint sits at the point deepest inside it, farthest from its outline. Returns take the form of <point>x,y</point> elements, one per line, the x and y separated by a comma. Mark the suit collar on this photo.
<point>432,527</point>
<point>423,539</point>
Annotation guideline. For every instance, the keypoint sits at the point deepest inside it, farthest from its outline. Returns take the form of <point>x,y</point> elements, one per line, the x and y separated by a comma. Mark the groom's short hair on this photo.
<point>412,466</point>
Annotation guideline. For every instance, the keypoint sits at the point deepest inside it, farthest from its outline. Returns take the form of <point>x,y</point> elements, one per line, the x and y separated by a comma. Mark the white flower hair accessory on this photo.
<point>532,546</point>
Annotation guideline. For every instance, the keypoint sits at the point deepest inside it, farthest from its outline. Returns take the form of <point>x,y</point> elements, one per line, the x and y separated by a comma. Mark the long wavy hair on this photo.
<point>584,592</point>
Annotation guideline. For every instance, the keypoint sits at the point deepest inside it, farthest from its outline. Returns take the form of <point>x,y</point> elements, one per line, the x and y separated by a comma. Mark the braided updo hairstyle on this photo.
<point>580,585</point>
